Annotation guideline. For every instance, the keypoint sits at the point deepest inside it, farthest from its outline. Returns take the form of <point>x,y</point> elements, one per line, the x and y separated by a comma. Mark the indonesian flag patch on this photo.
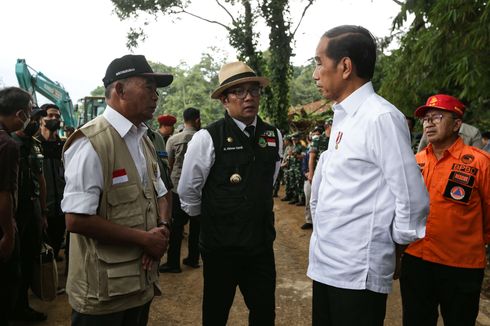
<point>271,141</point>
<point>119,176</point>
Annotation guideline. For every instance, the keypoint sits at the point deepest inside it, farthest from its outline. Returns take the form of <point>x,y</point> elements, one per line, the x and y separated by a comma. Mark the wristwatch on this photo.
<point>164,223</point>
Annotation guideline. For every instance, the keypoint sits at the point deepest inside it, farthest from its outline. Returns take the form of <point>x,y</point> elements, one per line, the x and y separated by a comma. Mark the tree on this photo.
<point>445,50</point>
<point>303,87</point>
<point>241,36</point>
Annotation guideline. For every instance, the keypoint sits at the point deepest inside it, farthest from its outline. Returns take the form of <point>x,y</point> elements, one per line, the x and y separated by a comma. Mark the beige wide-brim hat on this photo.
<point>235,73</point>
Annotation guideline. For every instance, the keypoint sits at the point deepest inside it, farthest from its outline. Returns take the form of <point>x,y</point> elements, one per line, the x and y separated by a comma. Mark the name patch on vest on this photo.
<point>232,148</point>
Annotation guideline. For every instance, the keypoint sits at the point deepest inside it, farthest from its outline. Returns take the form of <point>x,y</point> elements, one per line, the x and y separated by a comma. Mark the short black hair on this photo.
<point>354,42</point>
<point>13,99</point>
<point>191,114</point>
<point>486,134</point>
<point>48,106</point>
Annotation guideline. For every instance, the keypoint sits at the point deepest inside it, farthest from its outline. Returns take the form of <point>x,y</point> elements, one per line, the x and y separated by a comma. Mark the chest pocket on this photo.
<point>459,187</point>
<point>123,207</point>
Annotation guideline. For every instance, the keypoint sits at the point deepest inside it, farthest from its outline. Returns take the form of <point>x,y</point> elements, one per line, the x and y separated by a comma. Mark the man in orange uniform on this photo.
<point>446,267</point>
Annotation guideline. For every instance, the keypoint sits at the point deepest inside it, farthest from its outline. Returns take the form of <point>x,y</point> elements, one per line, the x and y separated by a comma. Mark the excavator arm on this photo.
<point>52,90</point>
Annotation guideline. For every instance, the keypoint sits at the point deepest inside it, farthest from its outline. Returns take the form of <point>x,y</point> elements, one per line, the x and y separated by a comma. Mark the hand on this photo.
<point>156,242</point>
<point>7,244</point>
<point>147,262</point>
<point>310,176</point>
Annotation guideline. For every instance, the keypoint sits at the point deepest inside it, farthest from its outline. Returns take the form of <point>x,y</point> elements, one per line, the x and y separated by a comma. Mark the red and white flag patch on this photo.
<point>119,176</point>
<point>271,141</point>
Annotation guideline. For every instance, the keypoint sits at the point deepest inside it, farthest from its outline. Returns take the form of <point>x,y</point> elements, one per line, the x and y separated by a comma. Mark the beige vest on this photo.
<point>106,278</point>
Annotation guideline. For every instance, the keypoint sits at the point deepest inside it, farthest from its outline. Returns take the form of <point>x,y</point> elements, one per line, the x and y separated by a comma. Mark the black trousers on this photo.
<point>137,316</point>
<point>425,286</point>
<point>179,220</point>
<point>255,275</point>
<point>56,231</point>
<point>10,274</point>
<point>345,307</point>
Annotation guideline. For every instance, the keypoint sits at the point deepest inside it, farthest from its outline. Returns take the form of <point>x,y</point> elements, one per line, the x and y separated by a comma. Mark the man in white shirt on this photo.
<point>114,202</point>
<point>368,195</point>
<point>227,178</point>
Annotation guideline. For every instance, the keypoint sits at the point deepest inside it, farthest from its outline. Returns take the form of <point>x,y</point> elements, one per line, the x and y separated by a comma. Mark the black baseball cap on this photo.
<point>134,65</point>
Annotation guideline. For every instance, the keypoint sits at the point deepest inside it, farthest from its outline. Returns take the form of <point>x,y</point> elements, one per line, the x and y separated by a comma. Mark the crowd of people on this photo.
<point>122,194</point>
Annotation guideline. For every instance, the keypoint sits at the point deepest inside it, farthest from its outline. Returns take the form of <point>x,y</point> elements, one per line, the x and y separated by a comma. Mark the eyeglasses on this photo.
<point>435,119</point>
<point>241,93</point>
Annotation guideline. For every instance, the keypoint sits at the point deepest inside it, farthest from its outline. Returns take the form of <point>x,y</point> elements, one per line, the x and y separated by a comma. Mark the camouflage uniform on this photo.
<point>289,188</point>
<point>296,177</point>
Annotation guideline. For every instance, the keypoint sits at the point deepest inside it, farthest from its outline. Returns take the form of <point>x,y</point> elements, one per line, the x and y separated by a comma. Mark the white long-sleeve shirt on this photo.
<point>198,162</point>
<point>367,194</point>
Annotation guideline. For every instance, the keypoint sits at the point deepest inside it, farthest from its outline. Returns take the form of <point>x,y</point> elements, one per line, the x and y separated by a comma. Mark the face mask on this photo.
<point>53,124</point>
<point>31,128</point>
<point>26,121</point>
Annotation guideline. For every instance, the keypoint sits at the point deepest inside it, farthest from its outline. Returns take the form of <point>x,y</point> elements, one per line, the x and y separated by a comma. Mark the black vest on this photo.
<point>237,204</point>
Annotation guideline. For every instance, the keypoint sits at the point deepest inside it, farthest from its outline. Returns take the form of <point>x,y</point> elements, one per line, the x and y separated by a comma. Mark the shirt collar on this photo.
<point>242,126</point>
<point>352,102</point>
<point>122,125</point>
<point>454,150</point>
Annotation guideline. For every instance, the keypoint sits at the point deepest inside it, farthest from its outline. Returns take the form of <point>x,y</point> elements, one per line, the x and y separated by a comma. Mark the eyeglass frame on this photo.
<point>438,118</point>
<point>250,90</point>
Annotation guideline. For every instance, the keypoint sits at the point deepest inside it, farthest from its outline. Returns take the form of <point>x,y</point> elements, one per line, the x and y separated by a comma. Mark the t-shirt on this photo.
<point>9,163</point>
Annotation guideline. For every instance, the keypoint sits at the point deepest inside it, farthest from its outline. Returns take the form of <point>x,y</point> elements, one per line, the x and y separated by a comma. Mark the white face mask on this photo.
<point>26,122</point>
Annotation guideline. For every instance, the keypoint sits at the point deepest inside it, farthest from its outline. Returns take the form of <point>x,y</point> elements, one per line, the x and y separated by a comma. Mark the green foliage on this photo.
<point>275,99</point>
<point>302,87</point>
<point>191,87</point>
<point>445,50</point>
<point>99,91</point>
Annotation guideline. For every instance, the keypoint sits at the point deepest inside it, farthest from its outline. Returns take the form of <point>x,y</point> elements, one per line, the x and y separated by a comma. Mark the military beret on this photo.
<point>167,120</point>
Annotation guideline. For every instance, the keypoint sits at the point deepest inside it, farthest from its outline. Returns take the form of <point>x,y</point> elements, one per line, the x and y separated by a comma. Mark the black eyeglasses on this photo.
<point>241,93</point>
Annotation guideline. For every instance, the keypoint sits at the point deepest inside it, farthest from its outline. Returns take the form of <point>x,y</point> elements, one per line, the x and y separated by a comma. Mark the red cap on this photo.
<point>167,120</point>
<point>442,102</point>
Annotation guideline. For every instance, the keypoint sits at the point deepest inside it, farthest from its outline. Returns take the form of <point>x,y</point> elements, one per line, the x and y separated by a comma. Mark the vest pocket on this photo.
<point>123,208</point>
<point>124,279</point>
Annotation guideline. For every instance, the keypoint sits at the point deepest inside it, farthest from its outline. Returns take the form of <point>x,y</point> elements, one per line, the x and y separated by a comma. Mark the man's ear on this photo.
<point>457,124</point>
<point>223,99</point>
<point>346,66</point>
<point>119,87</point>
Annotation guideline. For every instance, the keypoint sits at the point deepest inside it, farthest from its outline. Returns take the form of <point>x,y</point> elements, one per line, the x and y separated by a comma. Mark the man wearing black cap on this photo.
<point>114,202</point>
<point>227,179</point>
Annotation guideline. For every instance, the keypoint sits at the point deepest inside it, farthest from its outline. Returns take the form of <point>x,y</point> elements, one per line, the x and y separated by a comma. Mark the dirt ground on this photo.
<point>181,301</point>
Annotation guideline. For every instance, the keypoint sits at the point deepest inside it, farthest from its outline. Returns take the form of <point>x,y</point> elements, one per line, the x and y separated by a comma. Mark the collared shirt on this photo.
<point>198,161</point>
<point>367,194</point>
<point>458,225</point>
<point>176,149</point>
<point>83,171</point>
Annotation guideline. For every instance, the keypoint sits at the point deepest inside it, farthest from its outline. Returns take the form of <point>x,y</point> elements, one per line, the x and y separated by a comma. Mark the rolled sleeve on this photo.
<point>83,176</point>
<point>198,161</point>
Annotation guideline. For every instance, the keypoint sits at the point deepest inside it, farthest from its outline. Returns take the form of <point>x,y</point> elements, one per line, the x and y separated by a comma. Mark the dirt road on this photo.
<point>293,295</point>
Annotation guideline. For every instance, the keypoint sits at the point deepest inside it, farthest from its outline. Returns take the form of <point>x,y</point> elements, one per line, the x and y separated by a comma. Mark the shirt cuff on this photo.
<point>191,210</point>
<point>80,203</point>
<point>404,237</point>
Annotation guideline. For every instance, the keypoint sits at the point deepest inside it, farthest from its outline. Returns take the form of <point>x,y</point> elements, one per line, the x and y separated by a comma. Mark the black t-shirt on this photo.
<point>9,162</point>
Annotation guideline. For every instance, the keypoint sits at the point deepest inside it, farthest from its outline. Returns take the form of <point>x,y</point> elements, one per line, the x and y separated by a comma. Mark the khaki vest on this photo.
<point>106,278</point>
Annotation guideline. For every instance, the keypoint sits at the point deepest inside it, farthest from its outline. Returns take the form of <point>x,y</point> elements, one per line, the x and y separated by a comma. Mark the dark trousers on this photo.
<point>9,282</point>
<point>137,316</point>
<point>30,246</point>
<point>255,275</point>
<point>345,307</point>
<point>425,286</point>
<point>179,220</point>
<point>56,231</point>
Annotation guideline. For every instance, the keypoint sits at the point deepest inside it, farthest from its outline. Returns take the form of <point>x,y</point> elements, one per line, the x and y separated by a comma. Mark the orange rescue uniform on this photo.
<point>458,225</point>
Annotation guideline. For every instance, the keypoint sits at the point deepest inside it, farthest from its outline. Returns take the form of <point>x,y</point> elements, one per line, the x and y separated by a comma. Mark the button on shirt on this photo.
<point>198,162</point>
<point>458,225</point>
<point>83,172</point>
<point>367,193</point>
